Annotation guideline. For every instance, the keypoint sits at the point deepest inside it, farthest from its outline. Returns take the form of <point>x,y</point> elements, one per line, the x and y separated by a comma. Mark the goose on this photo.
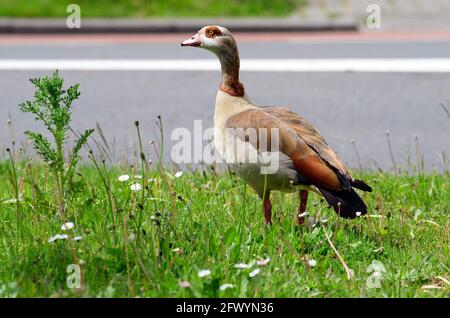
<point>305,161</point>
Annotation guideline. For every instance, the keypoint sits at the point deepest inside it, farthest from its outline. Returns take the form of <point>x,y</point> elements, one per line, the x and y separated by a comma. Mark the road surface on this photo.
<point>356,105</point>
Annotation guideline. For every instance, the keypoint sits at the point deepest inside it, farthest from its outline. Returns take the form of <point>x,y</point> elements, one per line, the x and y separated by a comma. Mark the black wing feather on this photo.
<point>345,203</point>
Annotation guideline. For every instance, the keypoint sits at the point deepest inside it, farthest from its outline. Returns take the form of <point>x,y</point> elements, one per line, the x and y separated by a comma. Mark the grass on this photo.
<point>153,8</point>
<point>145,243</point>
<point>144,230</point>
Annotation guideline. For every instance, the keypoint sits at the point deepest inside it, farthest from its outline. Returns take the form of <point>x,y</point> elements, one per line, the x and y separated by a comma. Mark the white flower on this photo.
<point>178,174</point>
<point>263,262</point>
<point>312,262</point>
<point>242,266</point>
<point>58,237</point>
<point>177,250</point>
<point>226,286</point>
<point>136,187</point>
<point>358,213</point>
<point>302,215</point>
<point>132,237</point>
<point>254,272</point>
<point>77,238</point>
<point>184,284</point>
<point>67,226</point>
<point>124,178</point>
<point>204,272</point>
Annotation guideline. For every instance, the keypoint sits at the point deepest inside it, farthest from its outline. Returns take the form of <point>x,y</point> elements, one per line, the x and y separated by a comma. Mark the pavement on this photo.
<point>318,16</point>
<point>342,105</point>
<point>395,15</point>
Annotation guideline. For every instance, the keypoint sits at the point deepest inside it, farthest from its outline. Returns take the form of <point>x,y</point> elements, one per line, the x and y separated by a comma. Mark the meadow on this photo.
<point>154,242</point>
<point>95,228</point>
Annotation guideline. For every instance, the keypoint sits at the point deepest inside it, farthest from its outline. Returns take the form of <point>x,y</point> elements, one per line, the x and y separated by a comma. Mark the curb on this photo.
<point>36,26</point>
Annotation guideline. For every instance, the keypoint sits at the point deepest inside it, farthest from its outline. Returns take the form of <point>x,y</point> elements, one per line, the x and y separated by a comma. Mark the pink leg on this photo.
<point>302,207</point>
<point>267,206</point>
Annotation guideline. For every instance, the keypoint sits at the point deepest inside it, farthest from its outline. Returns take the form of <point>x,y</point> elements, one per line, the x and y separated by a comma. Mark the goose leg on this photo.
<point>302,207</point>
<point>267,208</point>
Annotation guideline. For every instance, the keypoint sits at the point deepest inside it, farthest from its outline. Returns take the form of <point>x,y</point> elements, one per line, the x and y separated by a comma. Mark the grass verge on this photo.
<point>153,8</point>
<point>154,241</point>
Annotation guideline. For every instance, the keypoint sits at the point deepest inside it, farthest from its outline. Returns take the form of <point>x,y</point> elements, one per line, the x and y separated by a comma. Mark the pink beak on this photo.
<point>194,41</point>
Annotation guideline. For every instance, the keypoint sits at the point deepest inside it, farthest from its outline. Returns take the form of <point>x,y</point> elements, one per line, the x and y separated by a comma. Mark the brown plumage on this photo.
<point>306,161</point>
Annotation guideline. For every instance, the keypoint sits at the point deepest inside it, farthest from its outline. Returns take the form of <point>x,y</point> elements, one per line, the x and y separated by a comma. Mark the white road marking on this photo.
<point>420,65</point>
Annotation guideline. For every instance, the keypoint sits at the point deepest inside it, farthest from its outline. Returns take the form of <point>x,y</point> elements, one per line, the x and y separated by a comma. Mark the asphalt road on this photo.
<point>342,105</point>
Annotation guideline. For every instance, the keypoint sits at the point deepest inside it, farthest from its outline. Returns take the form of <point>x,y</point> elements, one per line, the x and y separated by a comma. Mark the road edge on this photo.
<point>90,25</point>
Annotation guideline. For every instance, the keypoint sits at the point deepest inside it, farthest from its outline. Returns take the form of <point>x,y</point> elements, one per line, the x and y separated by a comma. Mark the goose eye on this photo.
<point>210,33</point>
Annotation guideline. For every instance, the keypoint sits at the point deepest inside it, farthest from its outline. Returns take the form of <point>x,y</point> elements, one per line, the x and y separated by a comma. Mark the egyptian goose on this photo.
<point>305,161</point>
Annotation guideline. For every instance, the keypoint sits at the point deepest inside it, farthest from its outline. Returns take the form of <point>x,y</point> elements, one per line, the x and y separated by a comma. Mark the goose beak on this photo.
<point>193,41</point>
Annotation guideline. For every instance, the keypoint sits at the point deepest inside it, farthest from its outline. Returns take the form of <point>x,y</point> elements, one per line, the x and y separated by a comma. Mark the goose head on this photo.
<point>221,42</point>
<point>214,38</point>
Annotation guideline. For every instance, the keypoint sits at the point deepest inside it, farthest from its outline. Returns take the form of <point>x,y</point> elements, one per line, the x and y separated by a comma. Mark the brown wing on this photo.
<point>308,161</point>
<point>310,135</point>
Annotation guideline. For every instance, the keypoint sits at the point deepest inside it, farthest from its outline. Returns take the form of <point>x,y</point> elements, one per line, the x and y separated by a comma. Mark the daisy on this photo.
<point>136,187</point>
<point>312,262</point>
<point>177,250</point>
<point>124,178</point>
<point>254,272</point>
<point>184,284</point>
<point>226,286</point>
<point>58,237</point>
<point>67,226</point>
<point>242,266</point>
<point>204,272</point>
<point>263,262</point>
<point>77,238</point>
<point>178,174</point>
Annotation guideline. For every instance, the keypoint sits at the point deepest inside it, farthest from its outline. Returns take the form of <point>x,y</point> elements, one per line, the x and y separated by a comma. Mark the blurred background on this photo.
<point>390,69</point>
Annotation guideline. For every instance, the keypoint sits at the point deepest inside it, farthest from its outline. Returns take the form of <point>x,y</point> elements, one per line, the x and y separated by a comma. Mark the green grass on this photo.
<point>208,221</point>
<point>146,8</point>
